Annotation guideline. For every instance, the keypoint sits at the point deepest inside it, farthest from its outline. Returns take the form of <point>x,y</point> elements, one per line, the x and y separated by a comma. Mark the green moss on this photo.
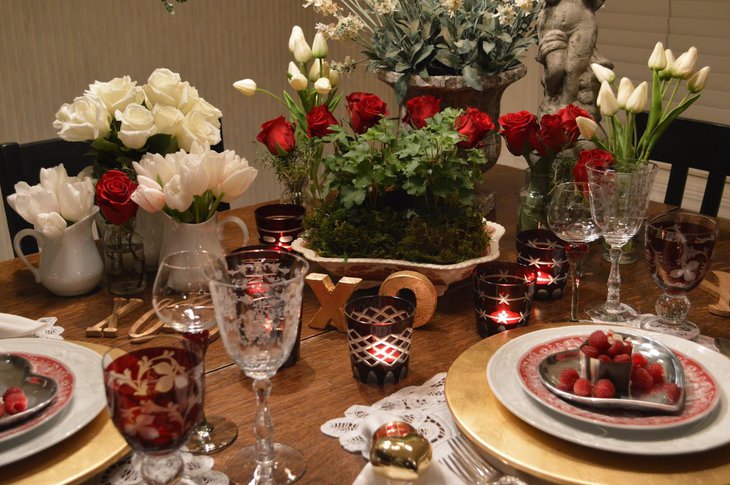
<point>436,236</point>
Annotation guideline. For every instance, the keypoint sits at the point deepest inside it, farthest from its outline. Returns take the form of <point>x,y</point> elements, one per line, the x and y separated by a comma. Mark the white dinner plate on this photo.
<point>707,433</point>
<point>88,401</point>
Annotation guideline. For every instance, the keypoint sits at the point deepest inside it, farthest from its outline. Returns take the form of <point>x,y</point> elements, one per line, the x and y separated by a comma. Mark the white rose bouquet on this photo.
<point>190,186</point>
<point>55,203</point>
<point>123,121</point>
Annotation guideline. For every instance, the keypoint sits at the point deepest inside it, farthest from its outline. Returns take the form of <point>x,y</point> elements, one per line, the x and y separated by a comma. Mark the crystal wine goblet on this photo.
<point>154,394</point>
<point>569,217</point>
<point>618,205</point>
<point>679,246</point>
<point>258,317</point>
<point>181,298</point>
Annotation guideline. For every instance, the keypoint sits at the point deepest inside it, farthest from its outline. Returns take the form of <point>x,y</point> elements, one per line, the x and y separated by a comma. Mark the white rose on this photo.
<point>196,128</point>
<point>148,195</point>
<point>84,119</point>
<point>138,125</point>
<point>167,119</point>
<point>175,197</point>
<point>51,224</point>
<point>117,93</point>
<point>165,87</point>
<point>211,113</point>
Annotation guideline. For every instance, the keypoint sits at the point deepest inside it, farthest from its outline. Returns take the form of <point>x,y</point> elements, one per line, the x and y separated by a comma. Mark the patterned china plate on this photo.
<point>702,395</point>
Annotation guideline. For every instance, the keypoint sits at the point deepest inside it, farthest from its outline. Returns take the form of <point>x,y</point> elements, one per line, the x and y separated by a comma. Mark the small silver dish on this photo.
<point>593,369</point>
<point>40,390</point>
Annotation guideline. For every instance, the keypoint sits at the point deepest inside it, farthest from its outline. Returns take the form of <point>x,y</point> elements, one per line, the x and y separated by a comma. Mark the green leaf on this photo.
<point>487,46</point>
<point>471,78</point>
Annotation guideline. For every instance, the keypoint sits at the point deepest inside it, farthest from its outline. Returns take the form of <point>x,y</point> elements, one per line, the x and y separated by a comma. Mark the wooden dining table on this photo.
<point>320,386</point>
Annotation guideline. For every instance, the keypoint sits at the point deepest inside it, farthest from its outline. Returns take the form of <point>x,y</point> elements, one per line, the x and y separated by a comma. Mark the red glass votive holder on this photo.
<point>279,224</point>
<point>379,331</point>
<point>502,296</point>
<point>544,252</point>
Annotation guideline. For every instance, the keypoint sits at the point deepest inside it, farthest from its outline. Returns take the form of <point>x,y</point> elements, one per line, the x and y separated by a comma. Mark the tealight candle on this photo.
<point>543,251</point>
<point>502,296</point>
<point>279,224</point>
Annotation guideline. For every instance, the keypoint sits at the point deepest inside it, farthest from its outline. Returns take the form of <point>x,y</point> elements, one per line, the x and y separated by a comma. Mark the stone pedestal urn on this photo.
<point>455,93</point>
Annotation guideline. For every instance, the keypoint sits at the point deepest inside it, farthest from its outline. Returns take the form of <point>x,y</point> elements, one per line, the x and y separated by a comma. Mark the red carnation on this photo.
<point>421,108</point>
<point>319,120</point>
<point>278,136</point>
<point>113,196</point>
<point>365,110</point>
<point>518,129</point>
<point>474,125</point>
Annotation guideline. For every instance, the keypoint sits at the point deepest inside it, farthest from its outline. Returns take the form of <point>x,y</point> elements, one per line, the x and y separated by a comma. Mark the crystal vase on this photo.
<point>124,261</point>
<point>533,200</point>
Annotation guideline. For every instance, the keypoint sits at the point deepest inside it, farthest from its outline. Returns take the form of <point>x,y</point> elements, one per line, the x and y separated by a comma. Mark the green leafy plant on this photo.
<point>469,38</point>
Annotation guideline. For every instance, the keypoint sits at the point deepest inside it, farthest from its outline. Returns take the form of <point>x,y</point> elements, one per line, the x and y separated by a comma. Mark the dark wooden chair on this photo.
<point>693,144</point>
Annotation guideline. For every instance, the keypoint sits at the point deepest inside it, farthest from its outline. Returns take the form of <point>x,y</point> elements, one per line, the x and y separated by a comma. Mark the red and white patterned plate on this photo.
<point>701,391</point>
<point>48,367</point>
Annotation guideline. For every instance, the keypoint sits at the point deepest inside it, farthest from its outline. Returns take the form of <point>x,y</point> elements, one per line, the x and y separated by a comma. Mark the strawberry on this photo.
<point>656,371</point>
<point>599,340</point>
<point>622,358</point>
<point>673,392</point>
<point>639,360</point>
<point>641,380</point>
<point>2,409</point>
<point>604,388</point>
<point>567,379</point>
<point>604,358</point>
<point>12,390</point>
<point>590,351</point>
<point>628,347</point>
<point>616,348</point>
<point>582,387</point>
<point>16,403</point>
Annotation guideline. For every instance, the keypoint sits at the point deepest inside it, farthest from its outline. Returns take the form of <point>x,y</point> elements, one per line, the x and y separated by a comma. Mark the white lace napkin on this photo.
<point>198,471</point>
<point>12,326</point>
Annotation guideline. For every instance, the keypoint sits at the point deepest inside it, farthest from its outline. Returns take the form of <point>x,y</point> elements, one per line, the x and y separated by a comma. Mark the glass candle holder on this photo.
<point>279,224</point>
<point>502,296</point>
<point>379,331</point>
<point>543,251</point>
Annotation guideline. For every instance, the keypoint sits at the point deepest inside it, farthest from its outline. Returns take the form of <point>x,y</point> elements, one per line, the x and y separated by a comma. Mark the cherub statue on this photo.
<point>567,35</point>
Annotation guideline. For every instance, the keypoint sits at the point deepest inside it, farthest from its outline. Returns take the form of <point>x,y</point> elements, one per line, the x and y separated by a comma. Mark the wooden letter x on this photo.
<point>332,299</point>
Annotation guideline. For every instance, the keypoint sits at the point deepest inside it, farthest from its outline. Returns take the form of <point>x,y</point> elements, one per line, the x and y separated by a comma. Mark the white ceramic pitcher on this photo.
<point>70,263</point>
<point>206,236</point>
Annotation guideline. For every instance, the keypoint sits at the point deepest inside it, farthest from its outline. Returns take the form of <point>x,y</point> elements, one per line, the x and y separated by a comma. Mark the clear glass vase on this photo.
<point>124,262</point>
<point>533,201</point>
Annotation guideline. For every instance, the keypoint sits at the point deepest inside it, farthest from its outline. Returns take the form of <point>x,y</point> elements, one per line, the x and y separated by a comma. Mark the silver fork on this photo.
<point>472,467</point>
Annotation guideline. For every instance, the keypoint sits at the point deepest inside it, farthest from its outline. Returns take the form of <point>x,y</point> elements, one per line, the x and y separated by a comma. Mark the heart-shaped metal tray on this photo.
<point>40,390</point>
<point>655,400</point>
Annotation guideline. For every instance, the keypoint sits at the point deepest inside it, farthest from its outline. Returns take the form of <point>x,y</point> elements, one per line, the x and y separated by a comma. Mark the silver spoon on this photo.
<point>723,345</point>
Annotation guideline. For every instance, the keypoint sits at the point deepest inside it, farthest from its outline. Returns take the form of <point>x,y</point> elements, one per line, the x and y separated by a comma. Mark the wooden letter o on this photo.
<point>421,287</point>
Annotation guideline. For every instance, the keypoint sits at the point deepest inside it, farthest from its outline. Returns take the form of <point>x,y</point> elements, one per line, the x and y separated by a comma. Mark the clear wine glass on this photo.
<point>154,394</point>
<point>181,298</point>
<point>569,217</point>
<point>258,318</point>
<point>618,203</point>
<point>679,247</point>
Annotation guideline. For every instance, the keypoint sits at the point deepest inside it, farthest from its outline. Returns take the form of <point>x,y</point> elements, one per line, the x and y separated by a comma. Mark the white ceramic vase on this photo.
<point>70,263</point>
<point>205,236</point>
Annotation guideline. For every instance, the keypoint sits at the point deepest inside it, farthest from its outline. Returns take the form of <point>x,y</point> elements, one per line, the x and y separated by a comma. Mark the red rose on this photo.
<point>113,192</point>
<point>319,120</point>
<point>596,158</point>
<point>421,108</point>
<point>568,114</point>
<point>473,124</point>
<point>365,110</point>
<point>278,136</point>
<point>552,136</point>
<point>518,129</point>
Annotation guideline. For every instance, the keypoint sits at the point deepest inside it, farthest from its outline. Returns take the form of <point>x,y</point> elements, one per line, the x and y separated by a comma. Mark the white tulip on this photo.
<point>51,224</point>
<point>334,77</point>
<point>117,93</point>
<point>638,99</point>
<point>323,86</point>
<point>606,100</point>
<point>298,82</point>
<point>586,126</point>
<point>52,179</point>
<point>165,87</point>
<point>297,35</point>
<point>603,73</point>
<point>193,175</point>
<point>658,58</point>
<point>246,86</point>
<point>696,83</point>
<point>137,126</point>
<point>175,196</point>
<point>684,66</point>
<point>156,167</point>
<point>167,119</point>
<point>319,46</point>
<point>317,71</point>
<point>293,69</point>
<point>625,88</point>
<point>666,73</point>
<point>76,199</point>
<point>84,119</point>
<point>148,195</point>
<point>302,52</point>
<point>235,178</point>
<point>196,128</point>
<point>29,201</point>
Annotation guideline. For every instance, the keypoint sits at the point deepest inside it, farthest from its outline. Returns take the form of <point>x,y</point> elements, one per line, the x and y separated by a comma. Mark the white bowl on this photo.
<point>374,271</point>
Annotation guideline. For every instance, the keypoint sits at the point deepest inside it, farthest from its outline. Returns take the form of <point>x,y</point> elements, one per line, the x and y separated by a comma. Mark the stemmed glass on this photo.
<point>181,298</point>
<point>154,394</point>
<point>569,217</point>
<point>618,204</point>
<point>258,317</point>
<point>679,246</point>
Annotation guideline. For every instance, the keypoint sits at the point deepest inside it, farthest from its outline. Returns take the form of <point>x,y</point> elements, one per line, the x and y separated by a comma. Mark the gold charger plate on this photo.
<point>487,423</point>
<point>75,459</point>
